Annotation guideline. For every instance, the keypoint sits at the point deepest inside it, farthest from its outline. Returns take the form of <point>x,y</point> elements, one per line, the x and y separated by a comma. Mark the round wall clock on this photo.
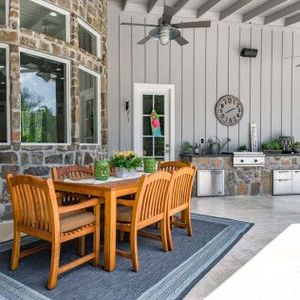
<point>229,110</point>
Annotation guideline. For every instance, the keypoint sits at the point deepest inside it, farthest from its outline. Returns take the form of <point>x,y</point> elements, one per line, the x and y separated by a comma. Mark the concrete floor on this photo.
<point>271,216</point>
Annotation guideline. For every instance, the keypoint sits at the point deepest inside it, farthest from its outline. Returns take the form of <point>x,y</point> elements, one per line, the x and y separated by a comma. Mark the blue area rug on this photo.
<point>161,275</point>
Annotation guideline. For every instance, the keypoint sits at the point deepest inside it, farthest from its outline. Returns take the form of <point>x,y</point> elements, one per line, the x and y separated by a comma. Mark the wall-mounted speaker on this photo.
<point>247,52</point>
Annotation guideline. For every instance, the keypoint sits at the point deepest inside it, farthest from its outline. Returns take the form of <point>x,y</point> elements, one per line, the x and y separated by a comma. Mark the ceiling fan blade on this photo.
<point>181,41</point>
<point>139,24</point>
<point>200,24</point>
<point>144,40</point>
<point>167,15</point>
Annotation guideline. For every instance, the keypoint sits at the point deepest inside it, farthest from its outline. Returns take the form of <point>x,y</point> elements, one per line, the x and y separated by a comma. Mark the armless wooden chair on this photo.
<point>170,166</point>
<point>36,212</point>
<point>149,207</point>
<point>180,200</point>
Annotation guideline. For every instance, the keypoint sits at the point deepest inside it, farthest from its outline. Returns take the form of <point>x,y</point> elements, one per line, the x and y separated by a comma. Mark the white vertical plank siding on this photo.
<point>245,86</point>
<point>187,87</point>
<point>125,82</point>
<point>207,68</point>
<point>233,78</point>
<point>211,79</point>
<point>222,71</point>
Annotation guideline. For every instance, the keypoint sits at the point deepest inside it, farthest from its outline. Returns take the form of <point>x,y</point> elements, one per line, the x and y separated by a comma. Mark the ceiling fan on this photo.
<point>166,31</point>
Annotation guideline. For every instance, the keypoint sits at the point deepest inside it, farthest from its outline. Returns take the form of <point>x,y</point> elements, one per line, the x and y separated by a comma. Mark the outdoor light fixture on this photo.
<point>164,37</point>
<point>53,14</point>
<point>2,67</point>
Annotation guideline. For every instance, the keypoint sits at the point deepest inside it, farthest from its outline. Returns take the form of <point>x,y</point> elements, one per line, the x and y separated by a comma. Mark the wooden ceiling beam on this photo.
<point>282,13</point>
<point>233,8</point>
<point>292,20</point>
<point>206,7</point>
<point>151,5</point>
<point>179,5</point>
<point>124,4</point>
<point>261,9</point>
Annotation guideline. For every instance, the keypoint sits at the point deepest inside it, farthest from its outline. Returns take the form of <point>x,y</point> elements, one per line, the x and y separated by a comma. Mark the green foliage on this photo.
<point>126,160</point>
<point>242,148</point>
<point>187,147</point>
<point>273,144</point>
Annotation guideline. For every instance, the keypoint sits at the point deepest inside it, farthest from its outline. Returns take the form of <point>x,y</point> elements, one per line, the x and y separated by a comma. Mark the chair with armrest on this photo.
<point>180,200</point>
<point>148,207</point>
<point>36,213</point>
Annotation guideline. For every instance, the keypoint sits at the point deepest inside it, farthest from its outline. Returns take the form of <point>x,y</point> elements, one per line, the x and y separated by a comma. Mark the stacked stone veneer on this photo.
<point>241,181</point>
<point>38,160</point>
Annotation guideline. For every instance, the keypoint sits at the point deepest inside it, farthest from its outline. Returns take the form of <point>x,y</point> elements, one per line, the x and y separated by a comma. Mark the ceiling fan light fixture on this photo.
<point>164,36</point>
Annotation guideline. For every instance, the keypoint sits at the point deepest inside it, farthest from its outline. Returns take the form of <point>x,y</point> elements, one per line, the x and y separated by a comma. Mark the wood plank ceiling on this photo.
<point>287,12</point>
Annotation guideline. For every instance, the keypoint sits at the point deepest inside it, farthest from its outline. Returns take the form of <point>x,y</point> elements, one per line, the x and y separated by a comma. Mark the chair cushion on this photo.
<point>71,221</point>
<point>124,214</point>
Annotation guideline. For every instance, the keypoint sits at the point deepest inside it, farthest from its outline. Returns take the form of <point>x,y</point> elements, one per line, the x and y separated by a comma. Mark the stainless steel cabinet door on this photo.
<point>296,182</point>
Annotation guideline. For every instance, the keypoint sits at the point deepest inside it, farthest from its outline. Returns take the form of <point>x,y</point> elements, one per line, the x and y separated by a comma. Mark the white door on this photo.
<point>157,98</point>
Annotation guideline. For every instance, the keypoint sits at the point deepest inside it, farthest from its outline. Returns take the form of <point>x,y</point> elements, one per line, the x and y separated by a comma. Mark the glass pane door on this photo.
<point>154,126</point>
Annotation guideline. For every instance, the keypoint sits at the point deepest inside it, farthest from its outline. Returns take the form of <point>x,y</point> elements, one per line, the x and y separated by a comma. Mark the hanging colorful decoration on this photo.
<point>155,124</point>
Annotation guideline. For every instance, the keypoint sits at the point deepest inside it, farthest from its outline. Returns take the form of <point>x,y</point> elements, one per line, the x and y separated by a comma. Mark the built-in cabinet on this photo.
<point>286,182</point>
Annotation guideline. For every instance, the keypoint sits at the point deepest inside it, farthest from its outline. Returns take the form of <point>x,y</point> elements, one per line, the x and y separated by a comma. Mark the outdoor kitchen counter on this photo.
<point>245,180</point>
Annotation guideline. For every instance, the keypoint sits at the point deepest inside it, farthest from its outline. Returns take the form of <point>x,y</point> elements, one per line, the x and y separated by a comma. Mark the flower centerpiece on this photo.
<point>125,163</point>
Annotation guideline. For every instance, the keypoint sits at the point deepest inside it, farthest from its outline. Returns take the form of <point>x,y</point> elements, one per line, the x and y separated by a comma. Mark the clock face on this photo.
<point>229,110</point>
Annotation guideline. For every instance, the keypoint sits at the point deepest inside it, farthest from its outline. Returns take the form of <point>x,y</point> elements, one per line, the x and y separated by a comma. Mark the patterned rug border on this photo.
<point>188,273</point>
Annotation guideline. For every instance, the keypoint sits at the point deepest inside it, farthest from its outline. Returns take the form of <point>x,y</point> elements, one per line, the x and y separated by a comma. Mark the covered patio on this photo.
<point>149,149</point>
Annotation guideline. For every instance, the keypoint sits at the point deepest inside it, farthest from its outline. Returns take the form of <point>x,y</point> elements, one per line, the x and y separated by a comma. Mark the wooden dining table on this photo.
<point>109,192</point>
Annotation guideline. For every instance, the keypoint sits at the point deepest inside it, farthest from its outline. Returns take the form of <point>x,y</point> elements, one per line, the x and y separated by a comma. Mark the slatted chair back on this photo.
<point>72,172</point>
<point>151,198</point>
<point>34,202</point>
<point>181,187</point>
<point>170,166</point>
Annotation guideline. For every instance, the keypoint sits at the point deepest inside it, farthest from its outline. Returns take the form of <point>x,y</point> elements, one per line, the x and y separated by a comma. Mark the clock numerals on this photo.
<point>229,110</point>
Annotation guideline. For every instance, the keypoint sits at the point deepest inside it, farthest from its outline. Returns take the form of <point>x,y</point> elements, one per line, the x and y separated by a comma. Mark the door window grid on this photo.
<point>151,102</point>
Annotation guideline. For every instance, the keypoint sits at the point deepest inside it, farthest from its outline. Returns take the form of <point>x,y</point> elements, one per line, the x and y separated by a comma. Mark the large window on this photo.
<point>45,18</point>
<point>3,94</point>
<point>44,99</point>
<point>89,39</point>
<point>3,12</point>
<point>89,108</point>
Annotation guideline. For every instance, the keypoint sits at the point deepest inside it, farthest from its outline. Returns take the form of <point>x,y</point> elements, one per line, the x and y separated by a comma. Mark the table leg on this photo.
<point>110,231</point>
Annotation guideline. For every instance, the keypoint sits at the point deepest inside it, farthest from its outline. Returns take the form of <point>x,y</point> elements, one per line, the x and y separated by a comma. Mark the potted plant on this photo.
<point>272,146</point>
<point>296,147</point>
<point>242,148</point>
<point>187,148</point>
<point>125,163</point>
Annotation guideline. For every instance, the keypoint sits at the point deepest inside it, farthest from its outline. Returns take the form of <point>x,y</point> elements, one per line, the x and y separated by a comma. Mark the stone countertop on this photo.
<point>206,155</point>
<point>231,154</point>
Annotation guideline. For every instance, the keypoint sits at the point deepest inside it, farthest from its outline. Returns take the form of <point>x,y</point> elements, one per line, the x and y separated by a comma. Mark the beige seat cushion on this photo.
<point>124,214</point>
<point>72,220</point>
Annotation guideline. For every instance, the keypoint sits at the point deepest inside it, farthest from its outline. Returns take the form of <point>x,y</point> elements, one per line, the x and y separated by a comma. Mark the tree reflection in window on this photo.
<point>42,100</point>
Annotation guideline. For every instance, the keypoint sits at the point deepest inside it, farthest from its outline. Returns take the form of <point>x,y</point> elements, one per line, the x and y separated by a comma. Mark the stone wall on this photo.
<point>241,181</point>
<point>38,160</point>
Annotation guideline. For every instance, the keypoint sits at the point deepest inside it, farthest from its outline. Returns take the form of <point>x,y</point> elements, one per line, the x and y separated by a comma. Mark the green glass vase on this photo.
<point>102,170</point>
<point>149,165</point>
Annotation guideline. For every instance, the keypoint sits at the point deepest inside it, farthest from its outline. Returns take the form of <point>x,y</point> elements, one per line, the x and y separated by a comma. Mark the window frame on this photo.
<point>8,112</point>
<point>6,23</point>
<point>98,105</point>
<point>55,9</point>
<point>67,96</point>
<point>89,28</point>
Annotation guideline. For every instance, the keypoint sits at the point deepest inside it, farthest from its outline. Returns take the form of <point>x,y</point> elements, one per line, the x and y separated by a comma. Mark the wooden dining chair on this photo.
<point>74,172</point>
<point>170,166</point>
<point>148,207</point>
<point>36,213</point>
<point>180,200</point>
